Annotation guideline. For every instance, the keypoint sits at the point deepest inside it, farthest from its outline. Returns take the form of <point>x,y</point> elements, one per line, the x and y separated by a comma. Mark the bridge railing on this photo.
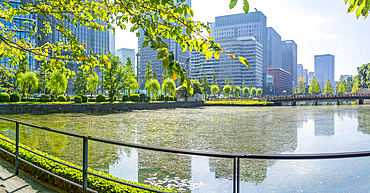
<point>235,156</point>
<point>349,95</point>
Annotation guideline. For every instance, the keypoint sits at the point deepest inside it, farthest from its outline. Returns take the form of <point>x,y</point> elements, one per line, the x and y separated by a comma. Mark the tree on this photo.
<point>226,81</point>
<point>253,92</point>
<point>149,71</point>
<point>232,85</point>
<point>259,92</point>
<point>206,86</point>
<point>243,84</point>
<point>57,83</point>
<point>214,90</point>
<point>113,75</point>
<point>92,82</point>
<point>340,88</point>
<point>314,87</point>
<point>27,81</point>
<point>227,90</point>
<point>79,82</point>
<point>155,76</point>
<point>341,79</point>
<point>355,86</point>
<point>245,92</point>
<point>237,91</point>
<point>364,76</point>
<point>197,86</point>
<point>214,78</point>
<point>168,86</point>
<point>328,88</point>
<point>153,87</point>
<point>349,84</point>
<point>301,85</point>
<point>129,77</point>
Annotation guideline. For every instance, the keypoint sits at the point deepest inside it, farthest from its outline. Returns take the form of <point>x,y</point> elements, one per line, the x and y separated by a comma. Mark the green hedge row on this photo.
<point>95,183</point>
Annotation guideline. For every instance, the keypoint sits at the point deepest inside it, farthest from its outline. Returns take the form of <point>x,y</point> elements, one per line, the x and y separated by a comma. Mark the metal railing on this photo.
<point>236,157</point>
<point>331,96</point>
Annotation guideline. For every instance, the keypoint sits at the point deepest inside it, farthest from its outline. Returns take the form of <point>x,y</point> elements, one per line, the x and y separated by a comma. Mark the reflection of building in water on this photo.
<point>324,125</point>
<point>254,133</point>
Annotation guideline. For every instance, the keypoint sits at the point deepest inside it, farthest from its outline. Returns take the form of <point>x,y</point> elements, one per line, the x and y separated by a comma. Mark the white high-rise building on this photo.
<point>274,52</point>
<point>324,69</point>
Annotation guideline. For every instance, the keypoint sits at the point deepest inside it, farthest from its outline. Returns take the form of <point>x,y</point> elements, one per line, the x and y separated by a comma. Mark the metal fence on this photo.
<point>86,139</point>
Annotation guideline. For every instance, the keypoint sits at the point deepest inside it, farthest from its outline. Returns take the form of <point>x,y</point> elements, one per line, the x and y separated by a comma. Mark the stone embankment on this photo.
<point>91,108</point>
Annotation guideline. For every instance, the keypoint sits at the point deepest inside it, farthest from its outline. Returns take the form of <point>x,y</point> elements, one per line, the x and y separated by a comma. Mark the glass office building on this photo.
<point>324,70</point>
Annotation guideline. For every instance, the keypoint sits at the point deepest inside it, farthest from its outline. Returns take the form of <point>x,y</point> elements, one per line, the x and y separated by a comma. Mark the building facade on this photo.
<point>289,59</point>
<point>299,71</point>
<point>305,76</point>
<point>125,53</point>
<point>282,79</point>
<point>310,76</point>
<point>253,24</point>
<point>225,67</point>
<point>20,33</point>
<point>274,49</point>
<point>324,69</point>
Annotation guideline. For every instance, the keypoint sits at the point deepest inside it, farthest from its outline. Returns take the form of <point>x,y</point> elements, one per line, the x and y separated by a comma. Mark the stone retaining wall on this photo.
<point>91,108</point>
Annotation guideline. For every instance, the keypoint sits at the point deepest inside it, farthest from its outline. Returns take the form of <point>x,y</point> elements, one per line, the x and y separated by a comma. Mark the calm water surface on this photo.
<point>269,130</point>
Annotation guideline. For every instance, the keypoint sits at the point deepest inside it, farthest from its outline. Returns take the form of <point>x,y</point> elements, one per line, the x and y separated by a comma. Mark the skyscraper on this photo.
<point>324,69</point>
<point>253,24</point>
<point>274,52</point>
<point>20,33</point>
<point>305,76</point>
<point>100,42</point>
<point>247,47</point>
<point>289,54</point>
<point>124,53</point>
<point>299,71</point>
<point>148,54</point>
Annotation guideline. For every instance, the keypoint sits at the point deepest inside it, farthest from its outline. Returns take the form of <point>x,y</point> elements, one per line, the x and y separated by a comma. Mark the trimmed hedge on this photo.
<point>160,97</point>
<point>78,99</point>
<point>92,99</point>
<point>142,97</point>
<point>15,97</point>
<point>83,97</point>
<point>135,98</point>
<point>68,98</point>
<point>4,97</point>
<point>62,98</point>
<point>52,97</point>
<point>30,100</point>
<point>44,98</point>
<point>95,183</point>
<point>125,98</point>
<point>101,98</point>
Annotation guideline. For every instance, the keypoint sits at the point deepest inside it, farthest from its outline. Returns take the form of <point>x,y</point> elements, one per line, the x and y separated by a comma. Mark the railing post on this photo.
<point>236,179</point>
<point>16,148</point>
<point>85,164</point>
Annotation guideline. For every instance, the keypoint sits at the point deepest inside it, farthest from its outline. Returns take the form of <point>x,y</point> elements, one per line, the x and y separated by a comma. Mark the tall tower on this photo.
<point>147,54</point>
<point>289,54</point>
<point>324,69</point>
<point>274,52</point>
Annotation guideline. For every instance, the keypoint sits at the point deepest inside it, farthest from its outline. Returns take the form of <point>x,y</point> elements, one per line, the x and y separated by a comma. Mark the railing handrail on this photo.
<point>236,156</point>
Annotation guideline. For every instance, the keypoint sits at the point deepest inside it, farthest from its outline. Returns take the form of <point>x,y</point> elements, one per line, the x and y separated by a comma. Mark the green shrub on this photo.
<point>147,98</point>
<point>125,98</point>
<point>4,97</point>
<point>167,98</point>
<point>160,97</point>
<point>95,183</point>
<point>135,98</point>
<point>142,97</point>
<point>92,100</point>
<point>52,97</point>
<point>78,99</point>
<point>83,97</point>
<point>68,98</point>
<point>101,98</point>
<point>15,97</point>
<point>174,99</point>
<point>62,98</point>
<point>30,100</point>
<point>44,98</point>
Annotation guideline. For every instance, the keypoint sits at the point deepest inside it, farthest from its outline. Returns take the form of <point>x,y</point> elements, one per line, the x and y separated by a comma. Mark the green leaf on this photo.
<point>145,44</point>
<point>233,3</point>
<point>166,63</point>
<point>246,6</point>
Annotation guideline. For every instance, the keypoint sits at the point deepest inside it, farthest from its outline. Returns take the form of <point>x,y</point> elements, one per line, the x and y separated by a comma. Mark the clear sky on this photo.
<point>317,26</point>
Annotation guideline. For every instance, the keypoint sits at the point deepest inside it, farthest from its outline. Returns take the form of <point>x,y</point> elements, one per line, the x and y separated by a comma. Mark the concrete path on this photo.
<point>10,183</point>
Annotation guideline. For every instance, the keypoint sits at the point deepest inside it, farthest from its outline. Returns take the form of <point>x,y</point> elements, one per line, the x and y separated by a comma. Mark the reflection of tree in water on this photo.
<point>101,155</point>
<point>363,121</point>
<point>252,133</point>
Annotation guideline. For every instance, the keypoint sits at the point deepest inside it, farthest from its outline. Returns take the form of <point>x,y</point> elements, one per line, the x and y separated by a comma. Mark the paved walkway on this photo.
<point>10,183</point>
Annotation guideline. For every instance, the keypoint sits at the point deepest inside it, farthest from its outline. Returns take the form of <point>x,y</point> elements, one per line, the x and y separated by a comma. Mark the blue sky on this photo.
<point>317,26</point>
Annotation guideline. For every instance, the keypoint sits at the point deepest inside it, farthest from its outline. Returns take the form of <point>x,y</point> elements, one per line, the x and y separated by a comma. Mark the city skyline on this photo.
<point>315,29</point>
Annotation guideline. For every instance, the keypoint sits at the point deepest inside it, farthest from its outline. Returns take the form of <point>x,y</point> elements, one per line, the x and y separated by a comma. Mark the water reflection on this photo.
<point>272,130</point>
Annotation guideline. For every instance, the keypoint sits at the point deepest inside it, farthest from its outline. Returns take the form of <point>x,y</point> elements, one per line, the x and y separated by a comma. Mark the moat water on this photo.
<point>254,130</point>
